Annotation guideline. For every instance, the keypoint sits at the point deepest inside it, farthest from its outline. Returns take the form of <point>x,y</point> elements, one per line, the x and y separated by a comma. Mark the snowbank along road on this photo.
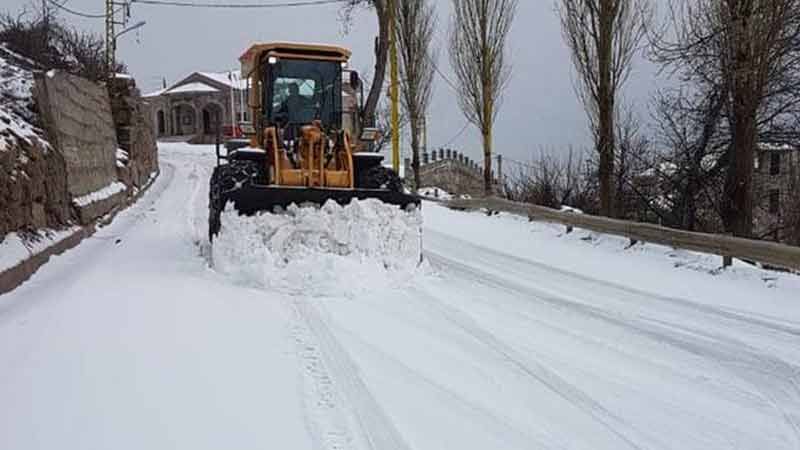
<point>509,336</point>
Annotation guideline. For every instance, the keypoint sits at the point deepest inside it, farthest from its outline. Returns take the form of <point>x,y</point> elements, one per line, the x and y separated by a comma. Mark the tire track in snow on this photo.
<point>537,372</point>
<point>639,297</point>
<point>333,372</point>
<point>772,377</point>
<point>499,423</point>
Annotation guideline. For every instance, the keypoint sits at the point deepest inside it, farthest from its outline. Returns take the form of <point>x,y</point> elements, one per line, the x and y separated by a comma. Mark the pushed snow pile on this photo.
<point>327,251</point>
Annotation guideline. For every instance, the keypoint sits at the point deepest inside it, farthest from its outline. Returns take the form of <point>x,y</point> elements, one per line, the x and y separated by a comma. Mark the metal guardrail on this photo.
<point>768,253</point>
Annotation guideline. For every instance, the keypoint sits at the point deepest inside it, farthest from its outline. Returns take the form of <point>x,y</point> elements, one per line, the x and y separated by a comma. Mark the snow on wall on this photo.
<point>100,194</point>
<point>332,250</point>
<point>16,115</point>
<point>33,192</point>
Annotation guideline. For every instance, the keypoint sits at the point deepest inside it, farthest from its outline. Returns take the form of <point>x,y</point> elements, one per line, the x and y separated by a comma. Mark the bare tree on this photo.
<point>603,36</point>
<point>746,52</point>
<point>416,20</point>
<point>381,8</point>
<point>54,46</point>
<point>550,180</point>
<point>633,157</point>
<point>478,56</point>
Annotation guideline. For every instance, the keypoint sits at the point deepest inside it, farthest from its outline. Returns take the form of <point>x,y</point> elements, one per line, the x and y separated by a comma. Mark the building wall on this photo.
<point>182,114</point>
<point>777,224</point>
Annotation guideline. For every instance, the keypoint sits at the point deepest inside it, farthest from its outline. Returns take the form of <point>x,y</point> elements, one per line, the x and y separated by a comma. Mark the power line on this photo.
<point>238,5</point>
<point>458,135</point>
<point>442,75</point>
<point>77,13</point>
<point>520,163</point>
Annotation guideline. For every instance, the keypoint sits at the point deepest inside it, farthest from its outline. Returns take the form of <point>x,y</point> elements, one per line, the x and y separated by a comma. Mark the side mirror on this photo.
<point>355,80</point>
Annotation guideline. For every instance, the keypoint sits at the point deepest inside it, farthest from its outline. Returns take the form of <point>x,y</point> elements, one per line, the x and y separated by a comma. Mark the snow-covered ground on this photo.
<point>16,248</point>
<point>512,335</point>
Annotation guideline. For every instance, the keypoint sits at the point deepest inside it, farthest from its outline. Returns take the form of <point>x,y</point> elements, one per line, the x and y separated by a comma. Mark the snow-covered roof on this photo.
<point>154,93</point>
<point>231,78</point>
<point>773,147</point>
<point>664,168</point>
<point>191,87</point>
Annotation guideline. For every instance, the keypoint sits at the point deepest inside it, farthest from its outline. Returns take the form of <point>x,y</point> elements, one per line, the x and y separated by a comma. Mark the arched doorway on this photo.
<point>183,116</point>
<point>162,125</point>
<point>212,118</point>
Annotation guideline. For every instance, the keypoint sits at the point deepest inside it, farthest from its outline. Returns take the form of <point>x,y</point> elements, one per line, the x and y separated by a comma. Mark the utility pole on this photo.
<point>46,22</point>
<point>393,90</point>
<point>110,41</point>
<point>111,35</point>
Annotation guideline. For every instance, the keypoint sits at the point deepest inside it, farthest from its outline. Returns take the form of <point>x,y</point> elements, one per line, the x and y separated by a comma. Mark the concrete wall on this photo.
<point>783,225</point>
<point>76,114</point>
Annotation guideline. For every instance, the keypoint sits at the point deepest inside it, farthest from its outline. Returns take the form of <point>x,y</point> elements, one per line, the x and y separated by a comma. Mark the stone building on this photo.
<point>191,108</point>
<point>776,184</point>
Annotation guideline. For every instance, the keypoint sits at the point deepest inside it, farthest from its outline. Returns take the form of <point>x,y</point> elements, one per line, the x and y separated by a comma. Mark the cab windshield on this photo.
<point>303,91</point>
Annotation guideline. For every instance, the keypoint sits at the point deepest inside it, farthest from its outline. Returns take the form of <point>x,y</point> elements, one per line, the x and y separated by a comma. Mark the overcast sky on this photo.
<point>539,109</point>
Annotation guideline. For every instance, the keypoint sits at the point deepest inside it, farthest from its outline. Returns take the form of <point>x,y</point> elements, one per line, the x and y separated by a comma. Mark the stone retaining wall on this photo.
<point>33,186</point>
<point>136,134</point>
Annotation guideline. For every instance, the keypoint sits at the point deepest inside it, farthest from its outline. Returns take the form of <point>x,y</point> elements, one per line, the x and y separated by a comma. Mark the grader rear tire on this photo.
<point>225,179</point>
<point>381,178</point>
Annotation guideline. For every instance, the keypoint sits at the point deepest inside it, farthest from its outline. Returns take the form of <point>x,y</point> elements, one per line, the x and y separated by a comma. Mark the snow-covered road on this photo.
<point>512,337</point>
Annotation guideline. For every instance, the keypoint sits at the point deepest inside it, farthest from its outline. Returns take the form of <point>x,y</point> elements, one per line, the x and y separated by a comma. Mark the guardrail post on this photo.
<point>727,261</point>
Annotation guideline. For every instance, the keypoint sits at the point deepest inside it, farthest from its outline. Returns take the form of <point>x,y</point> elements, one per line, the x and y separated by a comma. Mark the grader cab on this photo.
<point>306,142</point>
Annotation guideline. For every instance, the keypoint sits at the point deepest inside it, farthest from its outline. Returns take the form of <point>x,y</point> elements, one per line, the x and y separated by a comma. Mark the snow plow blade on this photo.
<point>252,199</point>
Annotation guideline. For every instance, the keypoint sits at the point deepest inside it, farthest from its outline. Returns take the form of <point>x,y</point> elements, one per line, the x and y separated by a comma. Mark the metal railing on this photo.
<point>764,252</point>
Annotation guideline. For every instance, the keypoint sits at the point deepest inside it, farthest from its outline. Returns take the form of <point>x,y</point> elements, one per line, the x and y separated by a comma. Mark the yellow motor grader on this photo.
<point>306,142</point>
